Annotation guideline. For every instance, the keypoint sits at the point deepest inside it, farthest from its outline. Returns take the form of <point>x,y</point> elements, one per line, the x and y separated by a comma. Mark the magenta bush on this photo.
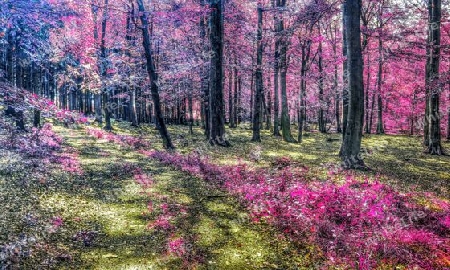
<point>355,224</point>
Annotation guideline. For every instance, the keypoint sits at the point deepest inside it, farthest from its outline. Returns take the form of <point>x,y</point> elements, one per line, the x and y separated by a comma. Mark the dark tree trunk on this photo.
<point>322,123</point>
<point>36,118</point>
<point>105,93</point>
<point>432,77</point>
<point>351,145</point>
<point>285,118</point>
<point>269,105</point>
<point>345,79</point>
<point>276,104</point>
<point>216,101</point>
<point>230,99</point>
<point>306,51</point>
<point>236,108</point>
<point>368,128</point>
<point>337,102</point>
<point>133,114</point>
<point>191,110</point>
<point>167,142</point>
<point>205,77</point>
<point>380,125</point>
<point>259,82</point>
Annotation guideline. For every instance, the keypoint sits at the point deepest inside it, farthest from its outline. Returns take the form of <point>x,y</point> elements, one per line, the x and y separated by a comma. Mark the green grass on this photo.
<point>107,200</point>
<point>399,160</point>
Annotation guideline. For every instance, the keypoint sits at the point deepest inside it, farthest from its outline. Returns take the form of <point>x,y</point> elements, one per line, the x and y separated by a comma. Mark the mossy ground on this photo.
<point>105,199</point>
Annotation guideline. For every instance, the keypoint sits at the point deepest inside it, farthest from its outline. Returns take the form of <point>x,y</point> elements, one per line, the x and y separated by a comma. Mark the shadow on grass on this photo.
<point>106,200</point>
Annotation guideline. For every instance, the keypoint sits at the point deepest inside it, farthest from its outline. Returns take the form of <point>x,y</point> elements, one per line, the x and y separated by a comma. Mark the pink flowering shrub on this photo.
<point>177,247</point>
<point>356,224</point>
<point>70,162</point>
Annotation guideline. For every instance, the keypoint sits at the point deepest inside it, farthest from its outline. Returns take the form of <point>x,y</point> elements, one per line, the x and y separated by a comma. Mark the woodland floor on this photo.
<point>106,201</point>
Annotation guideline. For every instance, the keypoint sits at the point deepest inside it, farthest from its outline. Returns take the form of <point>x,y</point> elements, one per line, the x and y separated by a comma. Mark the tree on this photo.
<point>351,145</point>
<point>433,134</point>
<point>283,47</point>
<point>216,101</point>
<point>153,78</point>
<point>259,81</point>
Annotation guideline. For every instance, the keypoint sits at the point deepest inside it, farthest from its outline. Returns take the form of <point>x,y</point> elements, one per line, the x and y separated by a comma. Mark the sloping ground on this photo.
<point>129,212</point>
<point>100,219</point>
<point>398,160</point>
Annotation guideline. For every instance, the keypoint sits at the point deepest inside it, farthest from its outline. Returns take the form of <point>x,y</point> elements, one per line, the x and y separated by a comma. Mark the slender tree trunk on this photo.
<point>433,86</point>
<point>230,99</point>
<point>276,104</point>
<point>285,118</point>
<point>306,51</point>
<point>216,102</point>
<point>380,125</point>
<point>345,79</point>
<point>236,99</point>
<point>322,123</point>
<point>368,127</point>
<point>191,110</point>
<point>351,145</point>
<point>105,94</point>
<point>133,114</point>
<point>259,82</point>
<point>154,88</point>
<point>269,105</point>
<point>337,101</point>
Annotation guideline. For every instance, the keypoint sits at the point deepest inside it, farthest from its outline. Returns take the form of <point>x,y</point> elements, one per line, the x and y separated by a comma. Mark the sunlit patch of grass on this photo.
<point>107,199</point>
<point>397,159</point>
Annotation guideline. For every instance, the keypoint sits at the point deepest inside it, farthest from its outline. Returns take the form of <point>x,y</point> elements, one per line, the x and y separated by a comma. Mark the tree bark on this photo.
<point>285,118</point>
<point>306,51</point>
<point>351,145</point>
<point>259,81</point>
<point>167,142</point>
<point>432,77</point>
<point>322,123</point>
<point>216,101</point>
<point>276,104</point>
<point>380,124</point>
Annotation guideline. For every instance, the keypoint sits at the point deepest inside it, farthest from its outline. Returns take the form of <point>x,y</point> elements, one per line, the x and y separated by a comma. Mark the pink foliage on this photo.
<point>357,224</point>
<point>176,246</point>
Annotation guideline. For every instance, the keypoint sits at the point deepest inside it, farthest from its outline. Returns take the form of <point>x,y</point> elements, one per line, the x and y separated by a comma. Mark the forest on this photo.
<point>225,134</point>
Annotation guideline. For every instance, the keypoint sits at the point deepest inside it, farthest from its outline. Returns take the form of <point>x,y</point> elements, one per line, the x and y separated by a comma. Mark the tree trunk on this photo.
<point>105,94</point>
<point>216,101</point>
<point>276,104</point>
<point>259,82</point>
<point>368,127</point>
<point>337,102</point>
<point>236,98</point>
<point>133,114</point>
<point>432,77</point>
<point>322,123</point>
<point>154,88</point>
<point>269,105</point>
<point>230,99</point>
<point>285,118</point>
<point>191,110</point>
<point>380,125</point>
<point>306,51</point>
<point>345,79</point>
<point>351,145</point>
<point>36,118</point>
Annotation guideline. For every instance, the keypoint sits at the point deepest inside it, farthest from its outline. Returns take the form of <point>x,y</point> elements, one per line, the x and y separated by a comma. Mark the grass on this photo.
<point>399,160</point>
<point>107,201</point>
